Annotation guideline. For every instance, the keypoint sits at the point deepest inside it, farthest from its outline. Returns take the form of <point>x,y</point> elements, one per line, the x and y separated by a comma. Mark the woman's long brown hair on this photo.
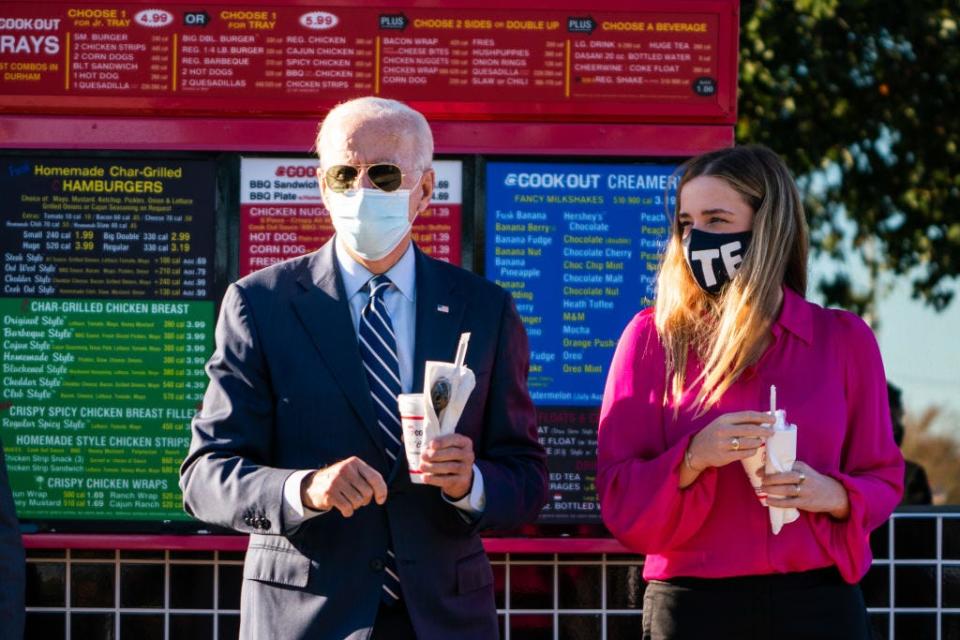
<point>728,332</point>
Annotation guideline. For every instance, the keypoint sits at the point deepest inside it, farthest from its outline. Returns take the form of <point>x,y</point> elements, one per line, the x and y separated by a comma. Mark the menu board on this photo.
<point>107,320</point>
<point>569,435</point>
<point>661,59</point>
<point>117,228</point>
<point>282,215</point>
<point>578,247</point>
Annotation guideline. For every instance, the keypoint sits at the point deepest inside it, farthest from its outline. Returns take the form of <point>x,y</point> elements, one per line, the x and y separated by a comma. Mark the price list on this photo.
<point>97,400</point>
<point>117,228</point>
<point>569,436</point>
<point>254,54</point>
<point>552,56</point>
<point>495,64</point>
<point>282,215</point>
<point>183,58</point>
<point>107,318</point>
<point>578,246</point>
<point>661,58</point>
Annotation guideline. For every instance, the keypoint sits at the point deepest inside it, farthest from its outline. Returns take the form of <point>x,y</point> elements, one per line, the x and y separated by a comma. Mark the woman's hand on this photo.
<point>806,489</point>
<point>731,437</point>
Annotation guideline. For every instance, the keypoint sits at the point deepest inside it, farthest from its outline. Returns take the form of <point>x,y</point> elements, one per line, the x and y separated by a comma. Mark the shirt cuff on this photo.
<point>474,502</point>
<point>294,513</point>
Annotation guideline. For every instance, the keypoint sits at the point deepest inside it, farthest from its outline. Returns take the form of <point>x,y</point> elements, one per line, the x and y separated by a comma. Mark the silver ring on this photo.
<point>798,491</point>
<point>735,442</point>
<point>803,477</point>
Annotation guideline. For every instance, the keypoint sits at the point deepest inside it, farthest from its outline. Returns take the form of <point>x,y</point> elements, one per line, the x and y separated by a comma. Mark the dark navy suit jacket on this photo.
<point>287,391</point>
<point>11,562</point>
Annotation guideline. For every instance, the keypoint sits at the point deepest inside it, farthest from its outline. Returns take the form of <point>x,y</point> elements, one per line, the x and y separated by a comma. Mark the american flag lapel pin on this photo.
<point>442,308</point>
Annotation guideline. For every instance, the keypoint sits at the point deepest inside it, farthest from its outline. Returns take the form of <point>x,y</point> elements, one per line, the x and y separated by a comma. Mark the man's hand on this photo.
<point>447,463</point>
<point>346,485</point>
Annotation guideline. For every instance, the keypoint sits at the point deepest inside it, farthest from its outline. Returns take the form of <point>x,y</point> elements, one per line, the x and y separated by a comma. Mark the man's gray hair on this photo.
<point>409,123</point>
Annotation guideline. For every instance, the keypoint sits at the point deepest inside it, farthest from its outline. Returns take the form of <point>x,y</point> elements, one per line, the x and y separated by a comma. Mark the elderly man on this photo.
<point>298,442</point>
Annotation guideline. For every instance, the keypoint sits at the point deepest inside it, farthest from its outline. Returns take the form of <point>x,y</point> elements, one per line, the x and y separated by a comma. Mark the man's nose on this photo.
<point>364,180</point>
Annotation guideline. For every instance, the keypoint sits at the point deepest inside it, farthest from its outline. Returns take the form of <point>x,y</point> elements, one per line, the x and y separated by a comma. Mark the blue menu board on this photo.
<point>578,246</point>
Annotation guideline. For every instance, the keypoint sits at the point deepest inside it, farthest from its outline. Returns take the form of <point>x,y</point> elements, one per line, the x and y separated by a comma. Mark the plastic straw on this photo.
<point>462,350</point>
<point>773,398</point>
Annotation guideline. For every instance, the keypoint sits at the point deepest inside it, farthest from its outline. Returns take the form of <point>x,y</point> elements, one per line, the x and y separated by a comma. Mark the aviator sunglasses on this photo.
<point>345,177</point>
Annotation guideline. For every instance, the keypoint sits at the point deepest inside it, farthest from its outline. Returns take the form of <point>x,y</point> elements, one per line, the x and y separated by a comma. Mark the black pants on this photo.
<point>813,605</point>
<point>393,623</point>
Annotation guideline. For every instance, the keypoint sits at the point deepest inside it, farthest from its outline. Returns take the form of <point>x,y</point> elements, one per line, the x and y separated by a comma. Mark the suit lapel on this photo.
<point>440,310</point>
<point>323,309</point>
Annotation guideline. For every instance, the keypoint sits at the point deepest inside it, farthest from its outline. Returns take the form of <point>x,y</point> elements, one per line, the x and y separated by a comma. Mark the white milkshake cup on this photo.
<point>412,411</point>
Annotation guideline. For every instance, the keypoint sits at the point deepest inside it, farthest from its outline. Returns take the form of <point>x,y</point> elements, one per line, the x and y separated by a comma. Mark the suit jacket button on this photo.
<point>264,523</point>
<point>376,564</point>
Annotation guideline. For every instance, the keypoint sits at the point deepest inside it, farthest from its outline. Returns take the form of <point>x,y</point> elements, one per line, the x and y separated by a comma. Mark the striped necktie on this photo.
<point>378,351</point>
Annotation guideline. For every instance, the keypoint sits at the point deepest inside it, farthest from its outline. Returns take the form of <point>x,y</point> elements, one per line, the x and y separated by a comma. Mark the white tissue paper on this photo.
<point>776,457</point>
<point>461,380</point>
<point>781,454</point>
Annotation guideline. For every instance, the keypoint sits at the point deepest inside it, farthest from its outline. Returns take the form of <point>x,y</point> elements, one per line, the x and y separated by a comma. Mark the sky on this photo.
<point>920,347</point>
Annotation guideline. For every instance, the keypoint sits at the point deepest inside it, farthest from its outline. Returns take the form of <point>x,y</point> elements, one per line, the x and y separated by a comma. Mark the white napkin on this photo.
<point>776,457</point>
<point>461,380</point>
<point>781,454</point>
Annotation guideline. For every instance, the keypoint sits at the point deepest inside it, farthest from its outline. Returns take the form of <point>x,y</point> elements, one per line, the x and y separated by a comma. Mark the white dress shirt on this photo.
<point>400,300</point>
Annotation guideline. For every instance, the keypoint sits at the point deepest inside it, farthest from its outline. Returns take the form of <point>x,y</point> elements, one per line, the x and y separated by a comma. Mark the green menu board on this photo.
<point>107,316</point>
<point>97,398</point>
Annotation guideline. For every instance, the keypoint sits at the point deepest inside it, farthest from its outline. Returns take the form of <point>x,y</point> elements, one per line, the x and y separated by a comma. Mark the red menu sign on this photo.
<point>282,216</point>
<point>657,61</point>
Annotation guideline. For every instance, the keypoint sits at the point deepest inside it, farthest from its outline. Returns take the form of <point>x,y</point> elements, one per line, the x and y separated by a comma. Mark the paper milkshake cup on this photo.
<point>781,451</point>
<point>412,408</point>
<point>753,464</point>
<point>781,454</point>
<point>759,459</point>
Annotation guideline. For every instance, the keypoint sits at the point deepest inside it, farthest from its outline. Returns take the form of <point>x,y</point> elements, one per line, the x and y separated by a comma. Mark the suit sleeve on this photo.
<point>638,475</point>
<point>510,457</point>
<point>12,567</point>
<point>225,478</point>
<point>871,465</point>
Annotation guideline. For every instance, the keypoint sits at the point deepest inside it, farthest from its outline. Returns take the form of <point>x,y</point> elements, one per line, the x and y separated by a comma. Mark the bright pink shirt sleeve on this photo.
<point>830,380</point>
<point>870,469</point>
<point>638,472</point>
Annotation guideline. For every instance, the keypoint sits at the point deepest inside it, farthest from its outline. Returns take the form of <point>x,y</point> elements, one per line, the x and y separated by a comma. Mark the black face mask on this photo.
<point>715,257</point>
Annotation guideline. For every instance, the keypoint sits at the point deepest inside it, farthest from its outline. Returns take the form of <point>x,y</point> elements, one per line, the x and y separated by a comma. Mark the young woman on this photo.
<point>685,401</point>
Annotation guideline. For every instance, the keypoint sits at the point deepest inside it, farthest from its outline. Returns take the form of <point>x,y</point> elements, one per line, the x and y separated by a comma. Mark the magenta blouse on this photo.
<point>829,377</point>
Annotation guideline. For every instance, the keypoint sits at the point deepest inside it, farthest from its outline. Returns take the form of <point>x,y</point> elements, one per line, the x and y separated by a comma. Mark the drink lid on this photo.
<point>410,404</point>
<point>779,420</point>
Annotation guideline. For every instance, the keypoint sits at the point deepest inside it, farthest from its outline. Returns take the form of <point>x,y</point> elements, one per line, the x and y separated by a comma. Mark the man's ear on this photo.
<point>426,189</point>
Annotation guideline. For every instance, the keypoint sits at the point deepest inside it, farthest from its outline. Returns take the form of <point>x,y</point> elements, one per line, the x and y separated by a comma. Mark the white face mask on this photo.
<point>371,222</point>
